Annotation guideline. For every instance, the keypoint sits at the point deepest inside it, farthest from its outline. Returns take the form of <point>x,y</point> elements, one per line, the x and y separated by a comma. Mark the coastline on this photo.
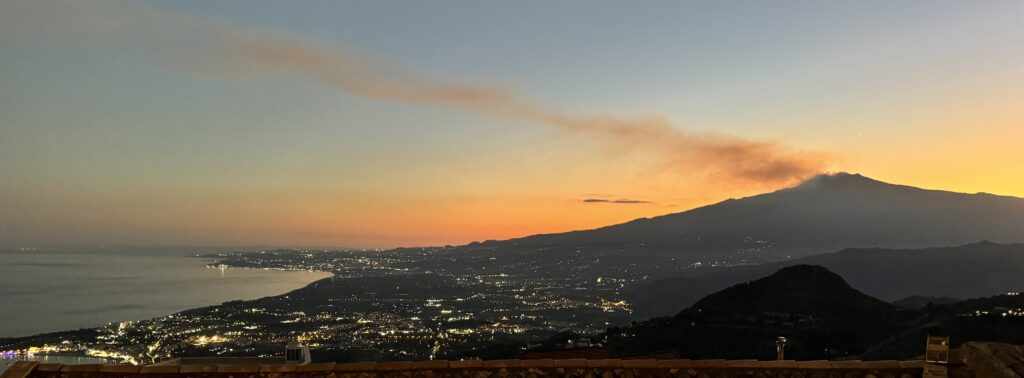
<point>50,346</point>
<point>129,295</point>
<point>65,359</point>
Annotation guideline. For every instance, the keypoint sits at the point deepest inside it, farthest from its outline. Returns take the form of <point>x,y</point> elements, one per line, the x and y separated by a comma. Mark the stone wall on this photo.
<point>491,369</point>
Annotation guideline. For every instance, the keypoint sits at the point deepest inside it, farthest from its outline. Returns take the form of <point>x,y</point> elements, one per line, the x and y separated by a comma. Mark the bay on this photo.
<point>7,361</point>
<point>58,290</point>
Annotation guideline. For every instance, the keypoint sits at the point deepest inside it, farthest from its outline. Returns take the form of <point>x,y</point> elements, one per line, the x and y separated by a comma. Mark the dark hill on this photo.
<point>799,289</point>
<point>820,315</point>
<point>967,271</point>
<point>993,319</point>
<point>813,307</point>
<point>918,301</point>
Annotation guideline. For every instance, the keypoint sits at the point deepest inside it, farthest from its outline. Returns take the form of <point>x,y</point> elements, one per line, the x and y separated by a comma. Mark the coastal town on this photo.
<point>420,304</point>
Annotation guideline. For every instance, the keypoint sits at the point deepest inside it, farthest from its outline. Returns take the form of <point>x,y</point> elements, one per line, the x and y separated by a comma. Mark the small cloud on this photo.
<point>625,201</point>
<point>629,201</point>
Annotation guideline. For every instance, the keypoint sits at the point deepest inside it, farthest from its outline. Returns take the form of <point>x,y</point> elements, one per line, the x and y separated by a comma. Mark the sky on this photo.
<point>374,124</point>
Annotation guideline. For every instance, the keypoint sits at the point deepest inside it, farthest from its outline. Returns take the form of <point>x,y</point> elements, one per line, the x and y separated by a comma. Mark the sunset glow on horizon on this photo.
<point>387,123</point>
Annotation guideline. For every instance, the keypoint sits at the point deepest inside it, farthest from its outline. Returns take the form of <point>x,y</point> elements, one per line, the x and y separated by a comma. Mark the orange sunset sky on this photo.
<point>388,123</point>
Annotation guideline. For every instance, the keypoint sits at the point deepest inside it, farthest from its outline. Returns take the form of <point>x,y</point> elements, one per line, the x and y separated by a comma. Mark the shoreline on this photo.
<point>209,263</point>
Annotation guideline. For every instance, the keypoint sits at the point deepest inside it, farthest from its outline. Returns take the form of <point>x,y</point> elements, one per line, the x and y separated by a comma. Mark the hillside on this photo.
<point>821,316</point>
<point>795,289</point>
<point>967,271</point>
<point>810,305</point>
<point>998,318</point>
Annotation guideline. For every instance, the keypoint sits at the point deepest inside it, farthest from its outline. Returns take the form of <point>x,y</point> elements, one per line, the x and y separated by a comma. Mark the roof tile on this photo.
<point>815,364</point>
<point>778,364</point>
<point>465,364</point>
<point>571,363</point>
<point>710,364</point>
<point>238,369</point>
<point>47,367</point>
<point>883,364</point>
<point>356,366</point>
<point>501,364</point>
<point>171,369</point>
<point>853,364</point>
<point>429,365</point>
<point>317,367</point>
<point>122,368</point>
<point>279,368</point>
<point>605,363</point>
<point>546,363</point>
<point>86,368</point>
<point>912,364</point>
<point>198,369</point>
<point>743,364</point>
<point>391,366</point>
<point>20,369</point>
<point>640,364</point>
<point>675,364</point>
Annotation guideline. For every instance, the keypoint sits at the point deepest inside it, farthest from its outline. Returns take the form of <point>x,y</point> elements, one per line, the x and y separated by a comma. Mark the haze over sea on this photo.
<point>66,289</point>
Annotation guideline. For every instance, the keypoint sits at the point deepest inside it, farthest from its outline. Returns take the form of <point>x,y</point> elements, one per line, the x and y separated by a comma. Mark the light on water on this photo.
<point>46,291</point>
<point>7,359</point>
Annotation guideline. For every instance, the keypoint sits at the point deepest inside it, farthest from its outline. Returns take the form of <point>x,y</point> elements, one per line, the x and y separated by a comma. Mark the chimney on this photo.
<point>296,353</point>
<point>780,348</point>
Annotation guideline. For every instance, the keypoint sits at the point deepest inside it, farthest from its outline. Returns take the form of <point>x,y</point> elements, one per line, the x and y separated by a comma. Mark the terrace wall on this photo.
<point>611,368</point>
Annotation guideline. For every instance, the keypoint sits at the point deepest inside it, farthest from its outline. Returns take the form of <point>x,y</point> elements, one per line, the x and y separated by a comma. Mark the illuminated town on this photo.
<point>406,304</point>
<point>401,304</point>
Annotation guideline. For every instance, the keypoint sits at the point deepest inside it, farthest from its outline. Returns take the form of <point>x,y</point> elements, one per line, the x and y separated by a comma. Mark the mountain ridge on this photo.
<point>826,213</point>
<point>810,305</point>
<point>812,183</point>
<point>966,271</point>
<point>744,321</point>
<point>795,288</point>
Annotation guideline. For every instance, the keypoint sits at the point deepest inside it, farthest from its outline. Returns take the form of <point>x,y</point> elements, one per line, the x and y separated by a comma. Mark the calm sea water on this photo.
<point>43,291</point>
<point>6,362</point>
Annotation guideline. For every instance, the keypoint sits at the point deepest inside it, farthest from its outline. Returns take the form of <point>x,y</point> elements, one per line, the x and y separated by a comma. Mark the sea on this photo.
<point>58,290</point>
<point>6,361</point>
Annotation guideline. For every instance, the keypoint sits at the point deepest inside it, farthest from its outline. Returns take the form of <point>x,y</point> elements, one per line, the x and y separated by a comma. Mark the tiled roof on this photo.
<point>595,353</point>
<point>587,353</point>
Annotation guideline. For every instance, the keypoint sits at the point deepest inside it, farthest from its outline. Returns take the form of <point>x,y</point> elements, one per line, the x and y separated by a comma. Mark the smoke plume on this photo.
<point>231,52</point>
